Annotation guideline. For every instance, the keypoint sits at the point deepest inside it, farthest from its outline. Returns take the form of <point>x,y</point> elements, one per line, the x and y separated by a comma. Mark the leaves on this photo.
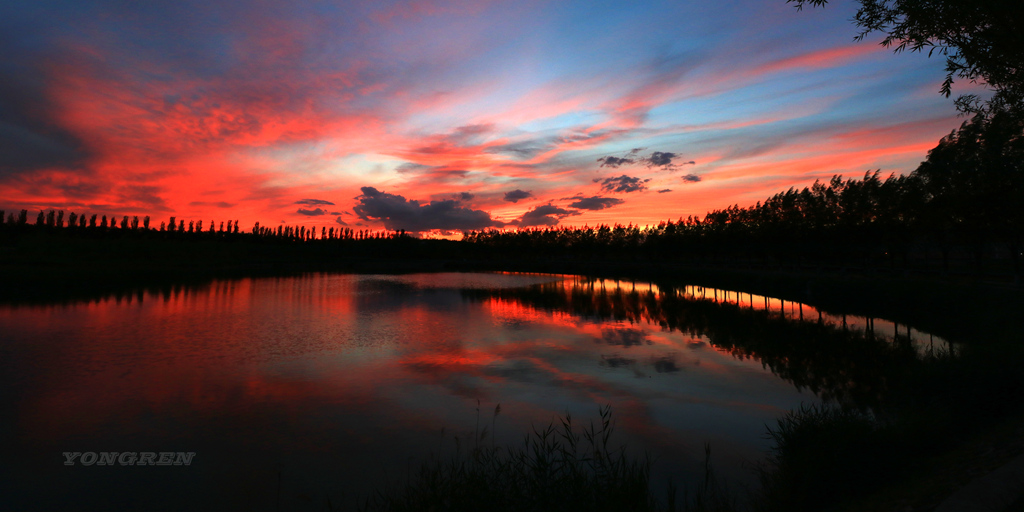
<point>981,42</point>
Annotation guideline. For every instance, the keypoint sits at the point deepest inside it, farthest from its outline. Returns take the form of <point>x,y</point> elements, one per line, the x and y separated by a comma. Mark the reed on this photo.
<point>557,467</point>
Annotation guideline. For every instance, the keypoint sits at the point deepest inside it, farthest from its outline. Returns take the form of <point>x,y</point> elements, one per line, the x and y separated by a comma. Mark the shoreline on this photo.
<point>968,308</point>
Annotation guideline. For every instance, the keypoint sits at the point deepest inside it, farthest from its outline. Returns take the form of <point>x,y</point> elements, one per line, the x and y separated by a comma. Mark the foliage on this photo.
<point>817,457</point>
<point>555,468</point>
<point>981,41</point>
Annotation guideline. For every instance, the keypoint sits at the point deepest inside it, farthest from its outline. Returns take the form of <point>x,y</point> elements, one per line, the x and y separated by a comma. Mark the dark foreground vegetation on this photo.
<point>558,467</point>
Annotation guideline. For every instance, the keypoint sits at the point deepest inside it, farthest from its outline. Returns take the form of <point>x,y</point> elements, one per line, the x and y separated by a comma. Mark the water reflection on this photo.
<point>297,389</point>
<point>841,358</point>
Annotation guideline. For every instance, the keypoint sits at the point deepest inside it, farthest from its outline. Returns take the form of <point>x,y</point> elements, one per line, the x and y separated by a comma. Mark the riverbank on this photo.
<point>955,306</point>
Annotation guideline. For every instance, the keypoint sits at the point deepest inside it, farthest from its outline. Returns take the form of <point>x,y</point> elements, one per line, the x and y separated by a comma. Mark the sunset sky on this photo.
<point>446,115</point>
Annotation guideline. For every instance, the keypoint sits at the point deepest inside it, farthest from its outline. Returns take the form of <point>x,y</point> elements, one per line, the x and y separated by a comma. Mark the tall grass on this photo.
<point>821,456</point>
<point>561,466</point>
<point>710,494</point>
<point>557,467</point>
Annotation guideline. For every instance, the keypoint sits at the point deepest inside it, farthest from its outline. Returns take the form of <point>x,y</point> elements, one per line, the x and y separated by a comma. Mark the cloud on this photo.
<point>662,191</point>
<point>623,184</point>
<point>522,149</point>
<point>516,195</point>
<point>624,337</point>
<point>314,202</point>
<point>613,162</point>
<point>665,364</point>
<point>664,160</point>
<point>464,196</point>
<point>32,135</point>
<point>660,159</point>
<point>215,204</point>
<point>595,203</point>
<point>312,213</point>
<point>691,178</point>
<point>468,134</point>
<point>339,221</point>
<point>397,212</point>
<point>409,167</point>
<point>147,196</point>
<point>546,215</point>
<point>250,108</point>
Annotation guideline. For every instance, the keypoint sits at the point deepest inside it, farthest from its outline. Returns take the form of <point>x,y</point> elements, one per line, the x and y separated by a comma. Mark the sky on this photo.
<point>444,116</point>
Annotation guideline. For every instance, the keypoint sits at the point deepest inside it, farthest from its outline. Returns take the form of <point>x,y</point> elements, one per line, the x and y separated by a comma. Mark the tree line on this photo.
<point>963,201</point>
<point>54,219</point>
<point>962,204</point>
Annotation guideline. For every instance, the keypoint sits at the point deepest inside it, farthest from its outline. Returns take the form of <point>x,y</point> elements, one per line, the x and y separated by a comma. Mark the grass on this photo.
<point>558,467</point>
<point>561,466</point>
<point>817,459</point>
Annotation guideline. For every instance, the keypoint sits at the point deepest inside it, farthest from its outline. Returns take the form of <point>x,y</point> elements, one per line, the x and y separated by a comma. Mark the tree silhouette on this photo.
<point>973,183</point>
<point>965,197</point>
<point>981,41</point>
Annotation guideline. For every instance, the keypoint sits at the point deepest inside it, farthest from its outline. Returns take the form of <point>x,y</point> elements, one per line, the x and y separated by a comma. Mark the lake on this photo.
<point>295,390</point>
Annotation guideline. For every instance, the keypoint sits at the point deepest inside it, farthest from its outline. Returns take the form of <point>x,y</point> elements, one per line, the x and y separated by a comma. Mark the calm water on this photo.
<point>294,390</point>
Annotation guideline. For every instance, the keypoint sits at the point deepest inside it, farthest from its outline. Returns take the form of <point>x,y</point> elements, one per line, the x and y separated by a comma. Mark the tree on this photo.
<point>974,182</point>
<point>981,40</point>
